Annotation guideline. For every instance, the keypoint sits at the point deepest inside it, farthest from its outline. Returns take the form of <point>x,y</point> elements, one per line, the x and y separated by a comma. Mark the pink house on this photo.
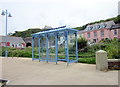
<point>96,32</point>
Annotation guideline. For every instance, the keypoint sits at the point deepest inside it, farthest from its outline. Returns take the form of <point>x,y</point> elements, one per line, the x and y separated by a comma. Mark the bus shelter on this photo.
<point>55,45</point>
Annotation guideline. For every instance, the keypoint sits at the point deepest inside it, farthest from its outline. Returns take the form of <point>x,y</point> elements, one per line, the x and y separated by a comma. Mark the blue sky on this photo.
<point>38,13</point>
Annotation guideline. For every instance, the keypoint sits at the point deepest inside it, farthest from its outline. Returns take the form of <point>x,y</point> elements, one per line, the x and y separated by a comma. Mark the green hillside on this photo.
<point>27,33</point>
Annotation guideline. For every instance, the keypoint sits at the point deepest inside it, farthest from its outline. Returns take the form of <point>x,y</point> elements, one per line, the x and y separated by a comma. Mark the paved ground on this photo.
<point>26,72</point>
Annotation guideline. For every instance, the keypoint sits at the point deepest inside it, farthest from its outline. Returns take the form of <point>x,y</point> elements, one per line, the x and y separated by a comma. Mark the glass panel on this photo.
<point>43,48</point>
<point>51,47</point>
<point>36,53</point>
<point>61,46</point>
<point>72,46</point>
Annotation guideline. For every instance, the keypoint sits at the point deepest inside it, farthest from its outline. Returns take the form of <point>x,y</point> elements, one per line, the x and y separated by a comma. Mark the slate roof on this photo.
<point>116,26</point>
<point>102,25</point>
<point>13,40</point>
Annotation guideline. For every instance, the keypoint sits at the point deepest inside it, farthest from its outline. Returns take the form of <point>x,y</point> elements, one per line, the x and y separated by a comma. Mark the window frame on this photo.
<point>88,35</point>
<point>102,33</point>
<point>95,34</point>
<point>115,32</point>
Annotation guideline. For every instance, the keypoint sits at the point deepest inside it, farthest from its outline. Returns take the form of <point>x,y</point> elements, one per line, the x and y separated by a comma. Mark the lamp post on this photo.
<point>7,15</point>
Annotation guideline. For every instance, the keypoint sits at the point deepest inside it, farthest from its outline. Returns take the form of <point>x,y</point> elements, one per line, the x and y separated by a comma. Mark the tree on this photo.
<point>117,19</point>
<point>82,43</point>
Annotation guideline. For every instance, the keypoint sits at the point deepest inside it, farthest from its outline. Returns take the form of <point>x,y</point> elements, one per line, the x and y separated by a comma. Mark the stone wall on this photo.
<point>103,63</point>
<point>114,64</point>
<point>29,40</point>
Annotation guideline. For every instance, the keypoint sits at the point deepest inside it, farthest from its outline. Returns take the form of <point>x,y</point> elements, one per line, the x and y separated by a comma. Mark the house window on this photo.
<point>71,41</point>
<point>95,34</point>
<point>103,25</point>
<point>98,26</point>
<point>70,36</point>
<point>12,45</point>
<point>91,28</point>
<point>102,33</point>
<point>115,32</point>
<point>88,35</point>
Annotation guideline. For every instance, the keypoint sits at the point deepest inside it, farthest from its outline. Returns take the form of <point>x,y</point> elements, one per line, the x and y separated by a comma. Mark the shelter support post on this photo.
<point>76,42</point>
<point>56,46</point>
<point>39,47</point>
<point>42,47</point>
<point>47,50</point>
<point>32,48</point>
<point>66,47</point>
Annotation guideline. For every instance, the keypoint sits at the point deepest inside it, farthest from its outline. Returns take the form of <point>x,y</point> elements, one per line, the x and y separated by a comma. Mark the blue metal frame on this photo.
<point>39,47</point>
<point>56,46</point>
<point>66,47</point>
<point>76,47</point>
<point>47,50</point>
<point>46,34</point>
<point>32,48</point>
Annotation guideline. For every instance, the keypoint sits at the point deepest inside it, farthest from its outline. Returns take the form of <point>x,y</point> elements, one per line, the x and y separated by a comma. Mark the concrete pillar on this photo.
<point>101,60</point>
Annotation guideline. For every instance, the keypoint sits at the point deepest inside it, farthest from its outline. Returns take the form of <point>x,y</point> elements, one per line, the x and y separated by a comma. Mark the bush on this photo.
<point>13,52</point>
<point>96,47</point>
<point>87,60</point>
<point>61,50</point>
<point>113,49</point>
<point>106,40</point>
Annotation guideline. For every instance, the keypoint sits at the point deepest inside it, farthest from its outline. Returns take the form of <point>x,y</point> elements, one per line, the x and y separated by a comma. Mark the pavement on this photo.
<point>24,71</point>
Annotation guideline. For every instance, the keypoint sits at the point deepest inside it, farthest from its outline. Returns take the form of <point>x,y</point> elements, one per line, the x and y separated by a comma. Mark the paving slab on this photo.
<point>24,71</point>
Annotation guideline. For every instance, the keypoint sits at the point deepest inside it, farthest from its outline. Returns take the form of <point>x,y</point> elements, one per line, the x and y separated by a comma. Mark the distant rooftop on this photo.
<point>14,40</point>
<point>47,27</point>
<point>54,28</point>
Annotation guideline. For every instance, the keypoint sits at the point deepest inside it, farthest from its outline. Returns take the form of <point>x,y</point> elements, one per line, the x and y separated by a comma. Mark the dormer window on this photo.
<point>91,28</point>
<point>88,28</point>
<point>103,25</point>
<point>98,26</point>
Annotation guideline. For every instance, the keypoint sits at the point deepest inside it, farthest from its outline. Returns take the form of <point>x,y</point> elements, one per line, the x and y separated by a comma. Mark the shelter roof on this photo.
<point>55,30</point>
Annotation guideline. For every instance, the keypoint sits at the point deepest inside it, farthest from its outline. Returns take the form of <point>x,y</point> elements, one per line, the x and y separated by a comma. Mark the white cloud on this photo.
<point>37,13</point>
